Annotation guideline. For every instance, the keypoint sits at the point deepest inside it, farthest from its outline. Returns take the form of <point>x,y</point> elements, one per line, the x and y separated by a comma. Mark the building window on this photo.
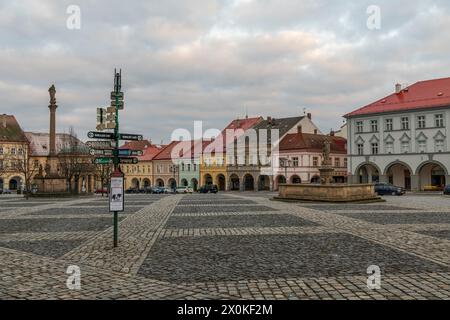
<point>439,119</point>
<point>421,122</point>
<point>182,167</point>
<point>439,145</point>
<point>374,125</point>
<point>422,146</point>
<point>359,127</point>
<point>13,151</point>
<point>375,148</point>
<point>195,167</point>
<point>405,146</point>
<point>405,123</point>
<point>20,151</point>
<point>389,125</point>
<point>36,164</point>
<point>295,161</point>
<point>345,162</point>
<point>360,147</point>
<point>1,164</point>
<point>337,162</point>
<point>189,167</point>
<point>389,147</point>
<point>1,150</point>
<point>315,161</point>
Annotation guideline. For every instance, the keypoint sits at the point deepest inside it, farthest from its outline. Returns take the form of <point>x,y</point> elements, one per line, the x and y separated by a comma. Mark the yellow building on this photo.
<point>13,154</point>
<point>140,175</point>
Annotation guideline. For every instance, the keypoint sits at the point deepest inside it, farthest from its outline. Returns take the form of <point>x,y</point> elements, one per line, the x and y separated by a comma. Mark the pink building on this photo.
<point>300,156</point>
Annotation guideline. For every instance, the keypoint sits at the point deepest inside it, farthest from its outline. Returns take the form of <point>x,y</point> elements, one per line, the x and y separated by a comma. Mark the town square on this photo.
<point>224,151</point>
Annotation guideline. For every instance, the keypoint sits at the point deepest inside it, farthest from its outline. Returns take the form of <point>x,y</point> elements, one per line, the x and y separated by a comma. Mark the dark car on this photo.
<point>210,188</point>
<point>447,190</point>
<point>383,189</point>
<point>159,190</point>
<point>132,190</point>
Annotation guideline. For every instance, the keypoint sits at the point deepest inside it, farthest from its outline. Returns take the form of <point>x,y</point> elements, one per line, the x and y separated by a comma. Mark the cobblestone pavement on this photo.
<point>225,246</point>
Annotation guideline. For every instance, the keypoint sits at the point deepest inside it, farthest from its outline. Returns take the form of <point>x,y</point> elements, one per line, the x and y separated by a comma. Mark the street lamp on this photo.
<point>285,164</point>
<point>174,169</point>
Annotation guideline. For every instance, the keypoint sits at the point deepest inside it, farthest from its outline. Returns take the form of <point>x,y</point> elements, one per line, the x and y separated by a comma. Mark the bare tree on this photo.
<point>104,173</point>
<point>74,159</point>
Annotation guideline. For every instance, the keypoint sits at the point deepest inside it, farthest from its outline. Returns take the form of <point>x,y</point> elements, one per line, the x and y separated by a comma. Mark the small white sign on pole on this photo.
<point>116,196</point>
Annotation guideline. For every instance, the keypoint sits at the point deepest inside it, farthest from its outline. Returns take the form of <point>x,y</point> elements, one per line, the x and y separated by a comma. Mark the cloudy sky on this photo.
<point>211,60</point>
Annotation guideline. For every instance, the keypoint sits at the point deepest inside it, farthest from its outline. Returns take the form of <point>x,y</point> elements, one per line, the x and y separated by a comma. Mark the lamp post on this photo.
<point>174,169</point>
<point>285,163</point>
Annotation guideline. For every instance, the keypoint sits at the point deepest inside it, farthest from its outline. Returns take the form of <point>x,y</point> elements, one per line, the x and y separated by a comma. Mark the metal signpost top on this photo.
<point>109,152</point>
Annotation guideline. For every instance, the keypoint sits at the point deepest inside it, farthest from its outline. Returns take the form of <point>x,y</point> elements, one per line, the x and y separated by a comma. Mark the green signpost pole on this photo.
<point>117,87</point>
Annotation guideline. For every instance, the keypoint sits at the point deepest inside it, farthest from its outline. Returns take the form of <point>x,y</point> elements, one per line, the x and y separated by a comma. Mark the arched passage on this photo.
<point>135,183</point>
<point>172,183</point>
<point>399,174</point>
<point>249,183</point>
<point>160,182</point>
<point>315,179</point>
<point>234,182</point>
<point>368,173</point>
<point>208,179</point>
<point>194,184</point>
<point>220,181</point>
<point>264,183</point>
<point>295,179</point>
<point>14,183</point>
<point>1,184</point>
<point>184,183</point>
<point>147,183</point>
<point>432,174</point>
<point>279,180</point>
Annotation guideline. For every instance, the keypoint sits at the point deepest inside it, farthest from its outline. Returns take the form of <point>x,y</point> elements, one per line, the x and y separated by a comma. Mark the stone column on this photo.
<point>256,184</point>
<point>415,181</point>
<point>52,108</point>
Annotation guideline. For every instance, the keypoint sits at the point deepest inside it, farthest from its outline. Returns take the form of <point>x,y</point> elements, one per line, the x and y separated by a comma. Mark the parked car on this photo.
<point>447,190</point>
<point>101,191</point>
<point>5,191</point>
<point>388,189</point>
<point>132,190</point>
<point>189,190</point>
<point>210,188</point>
<point>182,190</point>
<point>159,190</point>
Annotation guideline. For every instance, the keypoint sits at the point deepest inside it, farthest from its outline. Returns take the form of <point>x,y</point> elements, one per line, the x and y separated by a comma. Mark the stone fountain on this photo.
<point>327,191</point>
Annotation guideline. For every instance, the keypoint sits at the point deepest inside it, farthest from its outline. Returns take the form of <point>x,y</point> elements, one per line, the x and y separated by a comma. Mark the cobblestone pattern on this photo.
<point>137,234</point>
<point>45,278</point>
<point>174,233</point>
<point>434,249</point>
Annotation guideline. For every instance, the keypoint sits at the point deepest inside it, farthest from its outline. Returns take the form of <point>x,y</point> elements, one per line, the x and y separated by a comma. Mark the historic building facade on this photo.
<point>403,138</point>
<point>300,156</point>
<point>250,173</point>
<point>140,175</point>
<point>215,166</point>
<point>165,169</point>
<point>14,148</point>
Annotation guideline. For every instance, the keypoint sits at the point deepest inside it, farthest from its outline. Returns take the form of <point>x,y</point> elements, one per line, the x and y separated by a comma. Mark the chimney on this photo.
<point>332,133</point>
<point>4,121</point>
<point>315,131</point>
<point>398,88</point>
<point>299,129</point>
<point>309,115</point>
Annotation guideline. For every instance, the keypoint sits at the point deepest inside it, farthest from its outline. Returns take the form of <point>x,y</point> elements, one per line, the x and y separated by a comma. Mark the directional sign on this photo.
<point>128,160</point>
<point>120,104</point>
<point>128,153</point>
<point>103,160</point>
<point>101,152</point>
<point>99,144</point>
<point>116,94</point>
<point>133,137</point>
<point>100,135</point>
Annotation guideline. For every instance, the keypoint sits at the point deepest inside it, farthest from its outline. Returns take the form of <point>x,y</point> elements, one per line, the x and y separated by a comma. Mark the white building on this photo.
<point>403,138</point>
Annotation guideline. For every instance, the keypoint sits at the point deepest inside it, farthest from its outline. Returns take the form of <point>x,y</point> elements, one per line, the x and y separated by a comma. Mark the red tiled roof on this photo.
<point>423,94</point>
<point>150,150</point>
<point>312,142</point>
<point>10,129</point>
<point>243,124</point>
<point>166,152</point>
